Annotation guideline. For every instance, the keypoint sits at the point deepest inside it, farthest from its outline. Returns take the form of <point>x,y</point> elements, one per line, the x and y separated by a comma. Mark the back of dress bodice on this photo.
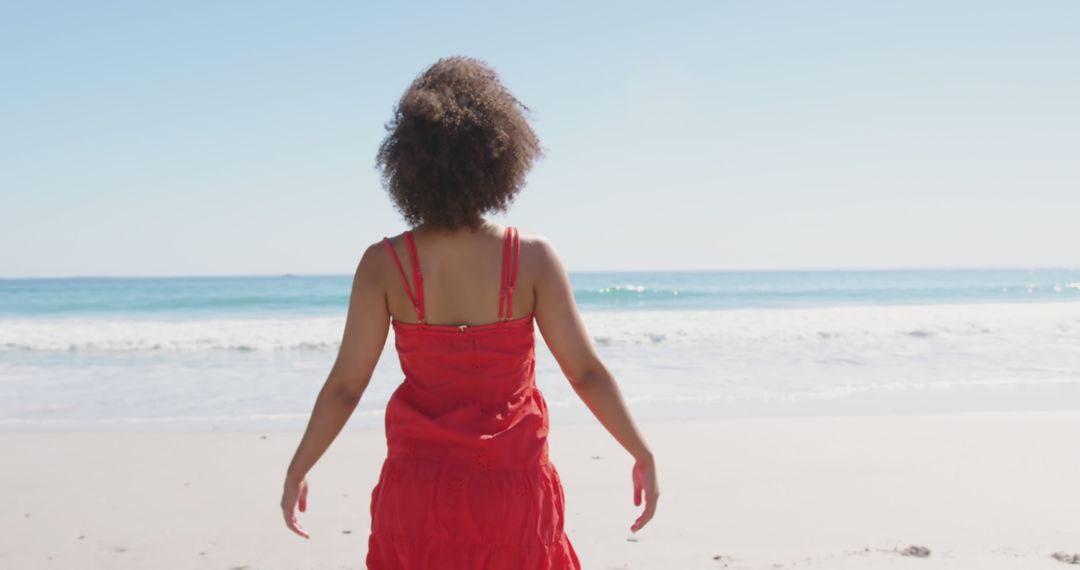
<point>452,367</point>
<point>469,392</point>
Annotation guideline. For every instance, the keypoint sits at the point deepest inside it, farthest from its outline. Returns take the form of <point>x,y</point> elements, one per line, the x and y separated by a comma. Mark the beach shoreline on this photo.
<point>100,375</point>
<point>983,489</point>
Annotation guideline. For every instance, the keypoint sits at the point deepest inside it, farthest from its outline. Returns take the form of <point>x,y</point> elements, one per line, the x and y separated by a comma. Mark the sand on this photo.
<point>988,491</point>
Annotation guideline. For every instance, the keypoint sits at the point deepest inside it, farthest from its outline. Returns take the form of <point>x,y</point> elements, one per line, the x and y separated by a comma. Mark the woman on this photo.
<point>467,483</point>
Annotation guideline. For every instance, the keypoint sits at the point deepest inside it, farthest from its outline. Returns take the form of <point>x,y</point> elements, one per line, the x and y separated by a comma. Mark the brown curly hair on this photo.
<point>459,145</point>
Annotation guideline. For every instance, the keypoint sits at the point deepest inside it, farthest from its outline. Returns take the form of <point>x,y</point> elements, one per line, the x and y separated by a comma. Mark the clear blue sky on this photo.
<point>201,138</point>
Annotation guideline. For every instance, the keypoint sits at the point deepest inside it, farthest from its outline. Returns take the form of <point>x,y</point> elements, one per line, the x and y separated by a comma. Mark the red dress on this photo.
<point>467,483</point>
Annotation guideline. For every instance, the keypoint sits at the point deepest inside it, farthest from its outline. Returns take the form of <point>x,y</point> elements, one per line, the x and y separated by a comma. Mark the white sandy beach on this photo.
<point>979,490</point>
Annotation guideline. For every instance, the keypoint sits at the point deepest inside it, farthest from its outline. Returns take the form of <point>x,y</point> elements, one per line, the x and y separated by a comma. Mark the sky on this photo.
<point>238,138</point>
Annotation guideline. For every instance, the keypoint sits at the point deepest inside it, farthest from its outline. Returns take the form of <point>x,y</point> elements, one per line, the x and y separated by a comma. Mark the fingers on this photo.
<point>650,510</point>
<point>294,494</point>
<point>638,524</point>
<point>645,482</point>
<point>294,525</point>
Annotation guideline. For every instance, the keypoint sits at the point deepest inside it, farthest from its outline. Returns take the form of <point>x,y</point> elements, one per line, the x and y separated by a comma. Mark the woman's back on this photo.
<point>462,275</point>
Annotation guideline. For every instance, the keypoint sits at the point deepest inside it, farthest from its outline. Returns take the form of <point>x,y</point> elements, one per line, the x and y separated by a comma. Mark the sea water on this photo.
<point>238,353</point>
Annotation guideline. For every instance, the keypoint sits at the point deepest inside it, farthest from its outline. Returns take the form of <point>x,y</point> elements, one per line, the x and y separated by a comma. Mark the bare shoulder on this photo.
<point>373,262</point>
<point>539,254</point>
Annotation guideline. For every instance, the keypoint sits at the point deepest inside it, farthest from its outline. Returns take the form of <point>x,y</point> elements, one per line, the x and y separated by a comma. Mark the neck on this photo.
<point>482,226</point>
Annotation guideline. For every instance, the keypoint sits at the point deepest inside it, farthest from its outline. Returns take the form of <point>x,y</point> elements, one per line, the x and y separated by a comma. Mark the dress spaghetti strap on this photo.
<point>417,300</point>
<point>511,252</point>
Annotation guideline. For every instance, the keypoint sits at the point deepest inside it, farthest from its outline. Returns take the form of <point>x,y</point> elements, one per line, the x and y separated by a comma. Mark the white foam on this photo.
<point>106,372</point>
<point>858,325</point>
<point>116,335</point>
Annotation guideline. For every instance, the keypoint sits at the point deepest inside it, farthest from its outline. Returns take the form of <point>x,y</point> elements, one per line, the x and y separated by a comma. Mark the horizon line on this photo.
<point>880,269</point>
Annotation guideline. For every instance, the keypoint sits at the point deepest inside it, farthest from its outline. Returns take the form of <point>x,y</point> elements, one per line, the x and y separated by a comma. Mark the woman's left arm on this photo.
<point>367,324</point>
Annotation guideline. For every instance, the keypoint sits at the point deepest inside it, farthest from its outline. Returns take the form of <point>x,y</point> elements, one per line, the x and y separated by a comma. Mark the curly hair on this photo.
<point>459,145</point>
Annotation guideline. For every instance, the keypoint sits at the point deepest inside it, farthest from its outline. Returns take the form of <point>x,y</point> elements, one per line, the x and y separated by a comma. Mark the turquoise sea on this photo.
<point>250,352</point>
<point>299,296</point>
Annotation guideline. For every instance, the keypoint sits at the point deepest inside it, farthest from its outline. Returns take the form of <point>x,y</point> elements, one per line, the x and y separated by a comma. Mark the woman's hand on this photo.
<point>644,475</point>
<point>295,494</point>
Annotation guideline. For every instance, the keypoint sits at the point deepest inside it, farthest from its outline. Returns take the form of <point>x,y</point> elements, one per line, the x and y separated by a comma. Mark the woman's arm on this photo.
<point>367,324</point>
<point>564,332</point>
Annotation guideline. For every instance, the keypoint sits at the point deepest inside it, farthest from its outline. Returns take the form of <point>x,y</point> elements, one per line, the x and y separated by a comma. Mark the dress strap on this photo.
<point>418,278</point>
<point>511,253</point>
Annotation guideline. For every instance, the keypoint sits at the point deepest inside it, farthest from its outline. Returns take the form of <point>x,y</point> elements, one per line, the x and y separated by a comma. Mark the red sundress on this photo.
<point>467,483</point>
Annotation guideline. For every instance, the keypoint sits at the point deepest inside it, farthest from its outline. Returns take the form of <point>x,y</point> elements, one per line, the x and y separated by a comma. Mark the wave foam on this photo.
<point>854,325</point>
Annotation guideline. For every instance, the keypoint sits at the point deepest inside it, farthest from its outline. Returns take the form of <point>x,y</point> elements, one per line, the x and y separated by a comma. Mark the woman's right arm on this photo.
<point>564,332</point>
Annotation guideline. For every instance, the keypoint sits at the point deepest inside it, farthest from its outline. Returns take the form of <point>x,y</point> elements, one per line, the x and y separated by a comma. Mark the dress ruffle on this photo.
<point>430,513</point>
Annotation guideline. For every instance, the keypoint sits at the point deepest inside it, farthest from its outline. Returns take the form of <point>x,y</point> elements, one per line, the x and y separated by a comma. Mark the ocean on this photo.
<point>250,353</point>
